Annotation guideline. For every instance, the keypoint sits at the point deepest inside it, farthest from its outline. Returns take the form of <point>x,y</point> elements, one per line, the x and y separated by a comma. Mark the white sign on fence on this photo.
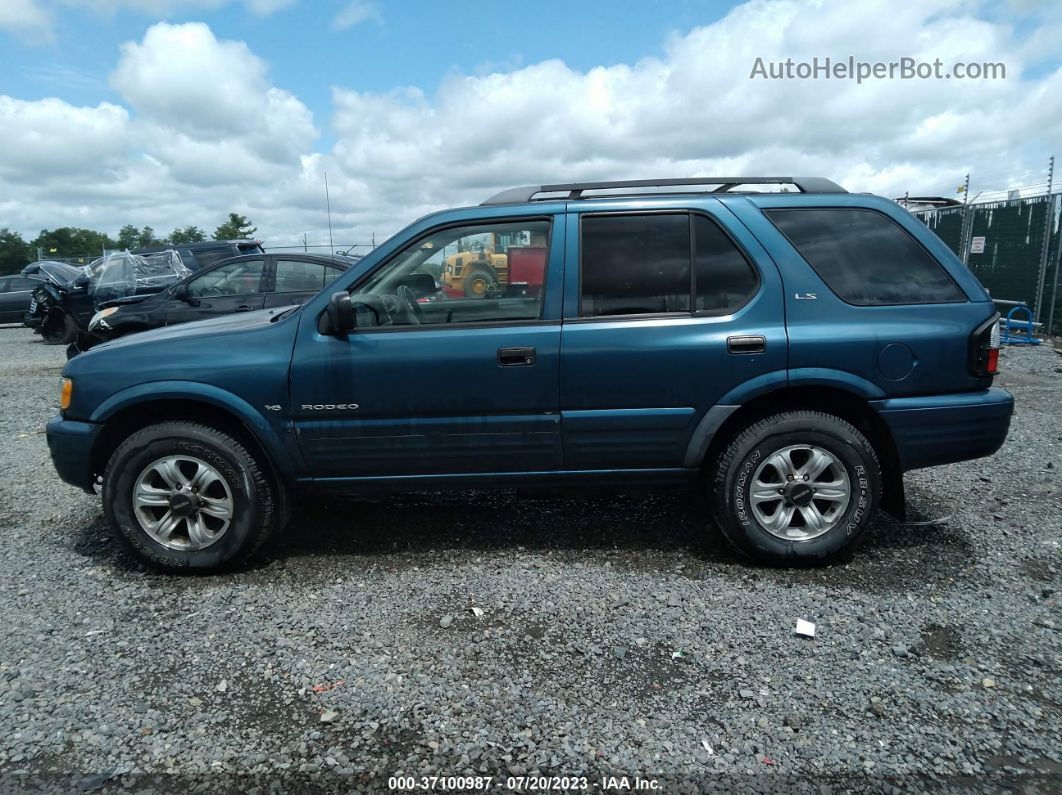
<point>977,245</point>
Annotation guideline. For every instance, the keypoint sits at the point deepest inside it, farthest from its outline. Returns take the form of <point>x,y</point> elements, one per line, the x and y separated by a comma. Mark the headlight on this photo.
<point>99,316</point>
<point>66,392</point>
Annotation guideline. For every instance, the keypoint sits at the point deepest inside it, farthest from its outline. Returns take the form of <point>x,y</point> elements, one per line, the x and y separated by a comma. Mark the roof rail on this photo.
<point>724,184</point>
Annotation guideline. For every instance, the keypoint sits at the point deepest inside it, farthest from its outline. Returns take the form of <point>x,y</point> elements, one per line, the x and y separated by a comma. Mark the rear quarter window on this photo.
<point>865,257</point>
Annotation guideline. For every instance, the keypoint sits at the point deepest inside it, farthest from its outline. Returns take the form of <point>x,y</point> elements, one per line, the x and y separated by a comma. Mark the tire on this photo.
<point>750,468</point>
<point>59,332</point>
<point>479,274</point>
<point>255,503</point>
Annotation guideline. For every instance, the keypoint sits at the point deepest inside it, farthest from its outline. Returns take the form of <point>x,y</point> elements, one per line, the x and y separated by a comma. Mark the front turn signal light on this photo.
<point>66,393</point>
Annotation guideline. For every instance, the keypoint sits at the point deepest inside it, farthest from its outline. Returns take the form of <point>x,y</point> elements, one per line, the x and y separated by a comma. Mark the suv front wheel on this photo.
<point>185,497</point>
<point>798,485</point>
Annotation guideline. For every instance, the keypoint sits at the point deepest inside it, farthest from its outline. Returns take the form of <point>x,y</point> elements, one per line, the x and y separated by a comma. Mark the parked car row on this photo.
<point>128,292</point>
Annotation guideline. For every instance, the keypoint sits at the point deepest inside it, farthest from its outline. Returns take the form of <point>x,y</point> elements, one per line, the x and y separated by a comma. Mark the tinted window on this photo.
<point>865,257</point>
<point>724,278</point>
<point>479,273</point>
<point>236,278</point>
<point>296,276</point>
<point>635,264</point>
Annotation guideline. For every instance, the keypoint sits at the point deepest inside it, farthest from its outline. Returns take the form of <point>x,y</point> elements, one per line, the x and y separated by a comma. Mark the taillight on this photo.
<point>984,348</point>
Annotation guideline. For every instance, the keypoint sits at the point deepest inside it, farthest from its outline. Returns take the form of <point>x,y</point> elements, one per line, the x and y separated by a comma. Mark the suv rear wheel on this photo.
<point>799,485</point>
<point>185,497</point>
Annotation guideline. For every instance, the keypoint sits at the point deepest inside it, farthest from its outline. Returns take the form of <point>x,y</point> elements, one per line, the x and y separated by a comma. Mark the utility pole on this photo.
<point>967,222</point>
<point>1044,246</point>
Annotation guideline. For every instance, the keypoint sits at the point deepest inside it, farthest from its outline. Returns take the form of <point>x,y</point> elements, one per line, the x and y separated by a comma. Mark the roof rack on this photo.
<point>724,185</point>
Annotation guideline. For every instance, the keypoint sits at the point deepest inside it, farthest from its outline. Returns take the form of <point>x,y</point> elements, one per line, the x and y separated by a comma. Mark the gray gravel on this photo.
<point>618,636</point>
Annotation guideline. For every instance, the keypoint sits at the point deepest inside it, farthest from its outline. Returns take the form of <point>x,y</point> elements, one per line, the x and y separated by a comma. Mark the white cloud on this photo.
<point>26,18</point>
<point>208,131</point>
<point>354,13</point>
<point>34,20</point>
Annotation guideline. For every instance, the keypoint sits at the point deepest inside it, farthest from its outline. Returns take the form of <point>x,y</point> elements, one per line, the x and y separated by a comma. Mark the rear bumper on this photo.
<point>943,429</point>
<point>70,444</point>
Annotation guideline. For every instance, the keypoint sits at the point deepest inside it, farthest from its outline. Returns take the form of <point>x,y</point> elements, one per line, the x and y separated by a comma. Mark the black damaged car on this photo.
<point>239,284</point>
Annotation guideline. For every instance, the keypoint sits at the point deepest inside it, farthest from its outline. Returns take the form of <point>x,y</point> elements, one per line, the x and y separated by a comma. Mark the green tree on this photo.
<point>15,253</point>
<point>236,228</point>
<point>147,238</point>
<point>72,241</point>
<point>128,237</point>
<point>187,234</point>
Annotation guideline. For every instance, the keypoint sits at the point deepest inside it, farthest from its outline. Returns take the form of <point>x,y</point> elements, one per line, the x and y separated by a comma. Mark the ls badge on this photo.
<point>805,296</point>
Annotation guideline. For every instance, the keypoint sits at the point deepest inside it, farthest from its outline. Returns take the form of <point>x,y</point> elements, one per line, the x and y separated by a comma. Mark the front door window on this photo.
<point>480,273</point>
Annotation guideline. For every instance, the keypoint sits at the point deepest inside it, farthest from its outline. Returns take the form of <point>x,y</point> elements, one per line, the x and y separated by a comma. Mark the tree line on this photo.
<point>72,241</point>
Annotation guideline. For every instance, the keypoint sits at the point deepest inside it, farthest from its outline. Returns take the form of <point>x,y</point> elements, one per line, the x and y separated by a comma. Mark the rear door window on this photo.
<point>865,257</point>
<point>724,279</point>
<point>635,264</point>
<point>297,276</point>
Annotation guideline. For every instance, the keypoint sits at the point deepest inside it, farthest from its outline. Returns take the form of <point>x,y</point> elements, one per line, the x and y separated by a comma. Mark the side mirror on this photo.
<point>180,292</point>
<point>81,282</point>
<point>340,313</point>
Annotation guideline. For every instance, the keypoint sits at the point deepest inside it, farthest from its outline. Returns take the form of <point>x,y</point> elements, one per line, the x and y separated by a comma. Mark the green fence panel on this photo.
<point>1009,264</point>
<point>947,224</point>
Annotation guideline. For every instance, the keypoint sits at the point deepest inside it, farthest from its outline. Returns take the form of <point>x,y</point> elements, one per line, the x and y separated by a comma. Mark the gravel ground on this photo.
<point>618,637</point>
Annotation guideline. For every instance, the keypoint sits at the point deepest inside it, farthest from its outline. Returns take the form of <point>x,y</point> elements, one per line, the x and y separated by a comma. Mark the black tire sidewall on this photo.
<point>128,463</point>
<point>851,450</point>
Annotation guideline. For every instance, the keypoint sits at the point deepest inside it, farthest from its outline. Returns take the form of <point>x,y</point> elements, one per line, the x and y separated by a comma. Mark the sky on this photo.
<point>175,112</point>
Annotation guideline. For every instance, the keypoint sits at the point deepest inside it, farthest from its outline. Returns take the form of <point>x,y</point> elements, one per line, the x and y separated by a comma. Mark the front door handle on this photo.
<point>244,308</point>
<point>746,344</point>
<point>516,357</point>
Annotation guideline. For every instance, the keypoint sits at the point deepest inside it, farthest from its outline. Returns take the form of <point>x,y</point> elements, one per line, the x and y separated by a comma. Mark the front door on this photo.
<point>435,382</point>
<point>666,314</point>
<point>233,287</point>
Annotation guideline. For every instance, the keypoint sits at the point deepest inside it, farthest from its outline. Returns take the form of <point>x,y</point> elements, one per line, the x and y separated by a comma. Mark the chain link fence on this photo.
<point>1013,248</point>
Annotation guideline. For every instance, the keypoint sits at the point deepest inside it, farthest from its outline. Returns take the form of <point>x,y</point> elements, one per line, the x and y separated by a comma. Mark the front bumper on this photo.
<point>943,429</point>
<point>32,320</point>
<point>70,443</point>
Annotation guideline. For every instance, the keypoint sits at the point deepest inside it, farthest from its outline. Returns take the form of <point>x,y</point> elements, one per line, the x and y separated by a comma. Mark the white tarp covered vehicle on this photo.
<point>123,274</point>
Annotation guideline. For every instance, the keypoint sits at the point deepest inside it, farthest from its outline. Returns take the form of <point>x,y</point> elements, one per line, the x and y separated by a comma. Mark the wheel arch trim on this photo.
<point>141,395</point>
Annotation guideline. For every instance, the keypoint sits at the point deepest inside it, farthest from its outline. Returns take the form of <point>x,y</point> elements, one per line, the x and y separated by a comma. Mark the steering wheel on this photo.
<point>413,312</point>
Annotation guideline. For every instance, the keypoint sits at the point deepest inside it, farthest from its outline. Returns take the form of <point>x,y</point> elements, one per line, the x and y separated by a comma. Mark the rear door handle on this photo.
<point>516,357</point>
<point>749,344</point>
<point>245,308</point>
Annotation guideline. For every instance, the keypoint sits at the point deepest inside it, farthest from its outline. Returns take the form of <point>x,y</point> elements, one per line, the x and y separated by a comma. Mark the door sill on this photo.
<point>657,477</point>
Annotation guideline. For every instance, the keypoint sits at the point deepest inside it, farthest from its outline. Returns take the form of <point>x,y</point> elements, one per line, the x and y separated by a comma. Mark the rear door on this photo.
<point>15,295</point>
<point>293,281</point>
<point>667,314</point>
<point>237,286</point>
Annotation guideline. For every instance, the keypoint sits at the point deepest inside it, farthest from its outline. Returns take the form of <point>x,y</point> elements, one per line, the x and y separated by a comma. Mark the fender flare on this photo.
<point>198,392</point>
<point>775,381</point>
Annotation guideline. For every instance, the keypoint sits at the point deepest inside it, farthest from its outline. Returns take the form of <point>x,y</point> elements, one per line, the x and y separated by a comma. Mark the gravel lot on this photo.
<point>618,636</point>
